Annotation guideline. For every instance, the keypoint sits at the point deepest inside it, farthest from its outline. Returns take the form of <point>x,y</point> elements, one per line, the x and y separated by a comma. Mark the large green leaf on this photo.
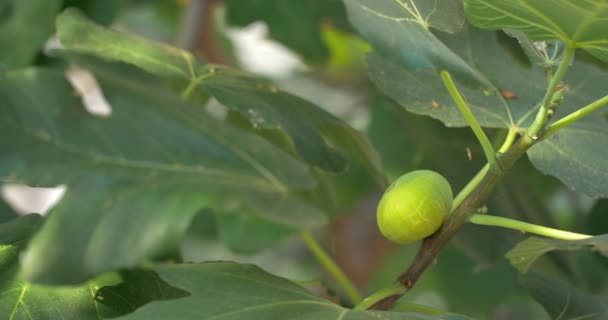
<point>422,91</point>
<point>579,23</point>
<point>562,300</point>
<point>138,176</point>
<point>149,137</point>
<point>417,89</point>
<point>25,25</point>
<point>296,24</point>
<point>525,253</point>
<point>314,132</point>
<point>408,58</point>
<point>20,300</point>
<point>226,290</point>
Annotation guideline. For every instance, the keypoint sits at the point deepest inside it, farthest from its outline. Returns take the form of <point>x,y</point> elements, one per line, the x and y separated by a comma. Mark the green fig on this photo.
<point>414,206</point>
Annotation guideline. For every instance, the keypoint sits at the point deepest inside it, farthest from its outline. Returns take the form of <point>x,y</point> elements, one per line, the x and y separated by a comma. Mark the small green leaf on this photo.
<point>234,291</point>
<point>582,24</point>
<point>525,253</point>
<point>25,25</point>
<point>563,301</point>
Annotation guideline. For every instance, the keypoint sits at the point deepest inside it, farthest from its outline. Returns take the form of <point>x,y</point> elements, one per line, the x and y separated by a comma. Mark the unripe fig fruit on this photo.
<point>414,206</point>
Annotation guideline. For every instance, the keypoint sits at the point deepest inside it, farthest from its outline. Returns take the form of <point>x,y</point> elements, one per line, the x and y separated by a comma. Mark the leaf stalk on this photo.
<point>488,149</point>
<point>575,116</point>
<point>496,221</point>
<point>330,265</point>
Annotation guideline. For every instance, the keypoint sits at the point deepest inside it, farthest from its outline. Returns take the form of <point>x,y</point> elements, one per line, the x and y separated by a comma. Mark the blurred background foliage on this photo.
<point>309,48</point>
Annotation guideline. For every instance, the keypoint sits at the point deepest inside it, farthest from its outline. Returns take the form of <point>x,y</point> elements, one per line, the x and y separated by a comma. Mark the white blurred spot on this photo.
<point>261,55</point>
<point>25,199</point>
<point>87,87</point>
<point>216,110</point>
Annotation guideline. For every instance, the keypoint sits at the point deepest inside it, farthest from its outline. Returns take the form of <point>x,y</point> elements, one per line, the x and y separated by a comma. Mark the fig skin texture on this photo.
<point>414,206</point>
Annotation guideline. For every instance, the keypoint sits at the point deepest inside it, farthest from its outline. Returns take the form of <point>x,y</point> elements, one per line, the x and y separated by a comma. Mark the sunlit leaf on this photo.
<point>582,24</point>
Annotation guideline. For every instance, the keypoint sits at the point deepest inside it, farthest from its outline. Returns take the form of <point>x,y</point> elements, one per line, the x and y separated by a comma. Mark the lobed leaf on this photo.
<point>408,58</point>
<point>582,24</point>
<point>400,30</point>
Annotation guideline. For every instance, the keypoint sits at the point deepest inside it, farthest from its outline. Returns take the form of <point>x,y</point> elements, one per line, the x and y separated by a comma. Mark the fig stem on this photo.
<point>488,149</point>
<point>496,221</point>
<point>395,289</point>
<point>330,265</point>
